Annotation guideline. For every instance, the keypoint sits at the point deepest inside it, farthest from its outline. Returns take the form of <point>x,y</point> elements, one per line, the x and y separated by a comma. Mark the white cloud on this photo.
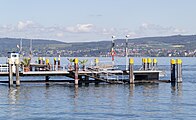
<point>22,25</point>
<point>156,30</point>
<point>82,32</point>
<point>59,34</point>
<point>80,28</point>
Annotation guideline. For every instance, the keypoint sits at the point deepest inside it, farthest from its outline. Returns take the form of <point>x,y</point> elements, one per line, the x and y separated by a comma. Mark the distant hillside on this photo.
<point>149,46</point>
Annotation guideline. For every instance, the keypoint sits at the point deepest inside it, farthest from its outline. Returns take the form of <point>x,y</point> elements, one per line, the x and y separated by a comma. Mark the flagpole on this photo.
<point>112,50</point>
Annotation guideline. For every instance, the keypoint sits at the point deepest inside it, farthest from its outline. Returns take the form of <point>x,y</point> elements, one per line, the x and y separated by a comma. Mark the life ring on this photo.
<point>113,53</point>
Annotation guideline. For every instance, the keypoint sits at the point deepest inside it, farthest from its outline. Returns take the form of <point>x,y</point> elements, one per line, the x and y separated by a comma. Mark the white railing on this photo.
<point>4,68</point>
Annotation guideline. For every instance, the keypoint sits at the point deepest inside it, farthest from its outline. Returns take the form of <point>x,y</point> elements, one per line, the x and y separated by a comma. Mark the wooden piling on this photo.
<point>179,70</point>
<point>47,79</point>
<point>17,72</point>
<point>154,64</point>
<point>144,62</point>
<point>131,75</point>
<point>86,80</point>
<point>149,63</point>
<point>39,60</point>
<point>10,73</point>
<point>173,70</point>
<point>96,62</point>
<point>97,79</point>
<point>48,64</point>
<point>59,63</point>
<point>54,64</point>
<point>76,71</point>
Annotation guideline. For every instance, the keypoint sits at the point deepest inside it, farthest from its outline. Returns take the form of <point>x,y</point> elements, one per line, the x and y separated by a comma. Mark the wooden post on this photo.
<point>17,73</point>
<point>43,60</point>
<point>10,73</point>
<point>39,60</point>
<point>48,64</point>
<point>97,79</point>
<point>149,62</point>
<point>144,61</point>
<point>96,62</point>
<point>59,63</point>
<point>47,79</point>
<point>54,64</point>
<point>86,80</point>
<point>179,70</point>
<point>154,64</point>
<point>76,71</point>
<point>173,70</point>
<point>131,76</point>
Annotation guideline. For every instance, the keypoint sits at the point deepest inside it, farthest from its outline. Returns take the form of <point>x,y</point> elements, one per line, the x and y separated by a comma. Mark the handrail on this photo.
<point>4,68</point>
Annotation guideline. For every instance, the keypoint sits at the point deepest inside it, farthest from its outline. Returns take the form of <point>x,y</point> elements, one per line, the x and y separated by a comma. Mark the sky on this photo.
<point>96,20</point>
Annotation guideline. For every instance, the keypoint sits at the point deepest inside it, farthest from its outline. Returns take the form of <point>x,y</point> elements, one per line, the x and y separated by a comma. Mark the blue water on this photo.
<point>139,101</point>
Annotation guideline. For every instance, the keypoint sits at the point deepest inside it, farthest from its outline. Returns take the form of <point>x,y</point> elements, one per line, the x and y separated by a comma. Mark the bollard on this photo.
<point>17,73</point>
<point>144,62</point>
<point>96,62</point>
<point>43,60</point>
<point>47,61</point>
<point>149,64</point>
<point>173,70</point>
<point>179,70</point>
<point>131,75</point>
<point>39,60</point>
<point>48,64</point>
<point>10,73</point>
<point>59,63</point>
<point>76,71</point>
<point>54,64</point>
<point>154,64</point>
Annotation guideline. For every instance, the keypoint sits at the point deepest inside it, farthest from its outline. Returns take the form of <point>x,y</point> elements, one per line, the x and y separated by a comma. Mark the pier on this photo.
<point>96,73</point>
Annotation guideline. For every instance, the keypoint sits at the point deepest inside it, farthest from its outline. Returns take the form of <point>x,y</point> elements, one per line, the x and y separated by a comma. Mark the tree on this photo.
<point>83,62</point>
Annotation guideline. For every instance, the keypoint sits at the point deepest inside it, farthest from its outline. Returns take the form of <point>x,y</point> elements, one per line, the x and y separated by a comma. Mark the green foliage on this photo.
<point>70,60</point>
<point>83,62</point>
<point>26,62</point>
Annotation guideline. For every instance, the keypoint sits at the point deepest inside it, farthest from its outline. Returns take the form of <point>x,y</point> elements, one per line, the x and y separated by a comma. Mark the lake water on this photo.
<point>123,101</point>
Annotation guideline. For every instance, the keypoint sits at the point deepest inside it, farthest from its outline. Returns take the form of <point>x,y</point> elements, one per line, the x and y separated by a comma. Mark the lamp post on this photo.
<point>112,50</point>
<point>126,51</point>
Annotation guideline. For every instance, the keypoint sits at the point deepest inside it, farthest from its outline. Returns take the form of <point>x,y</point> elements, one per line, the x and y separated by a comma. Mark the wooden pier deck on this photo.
<point>140,76</point>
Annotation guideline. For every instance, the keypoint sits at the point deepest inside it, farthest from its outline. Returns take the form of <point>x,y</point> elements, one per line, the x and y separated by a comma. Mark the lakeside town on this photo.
<point>171,46</point>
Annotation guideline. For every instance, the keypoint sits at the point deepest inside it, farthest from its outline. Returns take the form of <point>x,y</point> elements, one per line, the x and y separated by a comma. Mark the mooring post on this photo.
<point>173,70</point>
<point>47,79</point>
<point>48,64</point>
<point>87,80</point>
<point>131,76</point>
<point>154,64</point>
<point>10,73</point>
<point>144,61</point>
<point>179,70</point>
<point>54,64</point>
<point>149,62</point>
<point>59,63</point>
<point>96,62</point>
<point>17,72</point>
<point>76,71</point>
<point>43,60</point>
<point>39,60</point>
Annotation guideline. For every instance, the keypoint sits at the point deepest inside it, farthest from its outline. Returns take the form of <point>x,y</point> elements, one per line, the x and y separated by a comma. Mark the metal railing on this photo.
<point>4,68</point>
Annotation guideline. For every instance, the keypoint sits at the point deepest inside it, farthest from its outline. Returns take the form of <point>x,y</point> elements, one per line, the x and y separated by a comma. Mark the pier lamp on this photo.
<point>126,51</point>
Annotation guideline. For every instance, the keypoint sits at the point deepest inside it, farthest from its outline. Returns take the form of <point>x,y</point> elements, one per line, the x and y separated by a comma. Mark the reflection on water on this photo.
<point>176,88</point>
<point>13,95</point>
<point>137,101</point>
<point>123,101</point>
